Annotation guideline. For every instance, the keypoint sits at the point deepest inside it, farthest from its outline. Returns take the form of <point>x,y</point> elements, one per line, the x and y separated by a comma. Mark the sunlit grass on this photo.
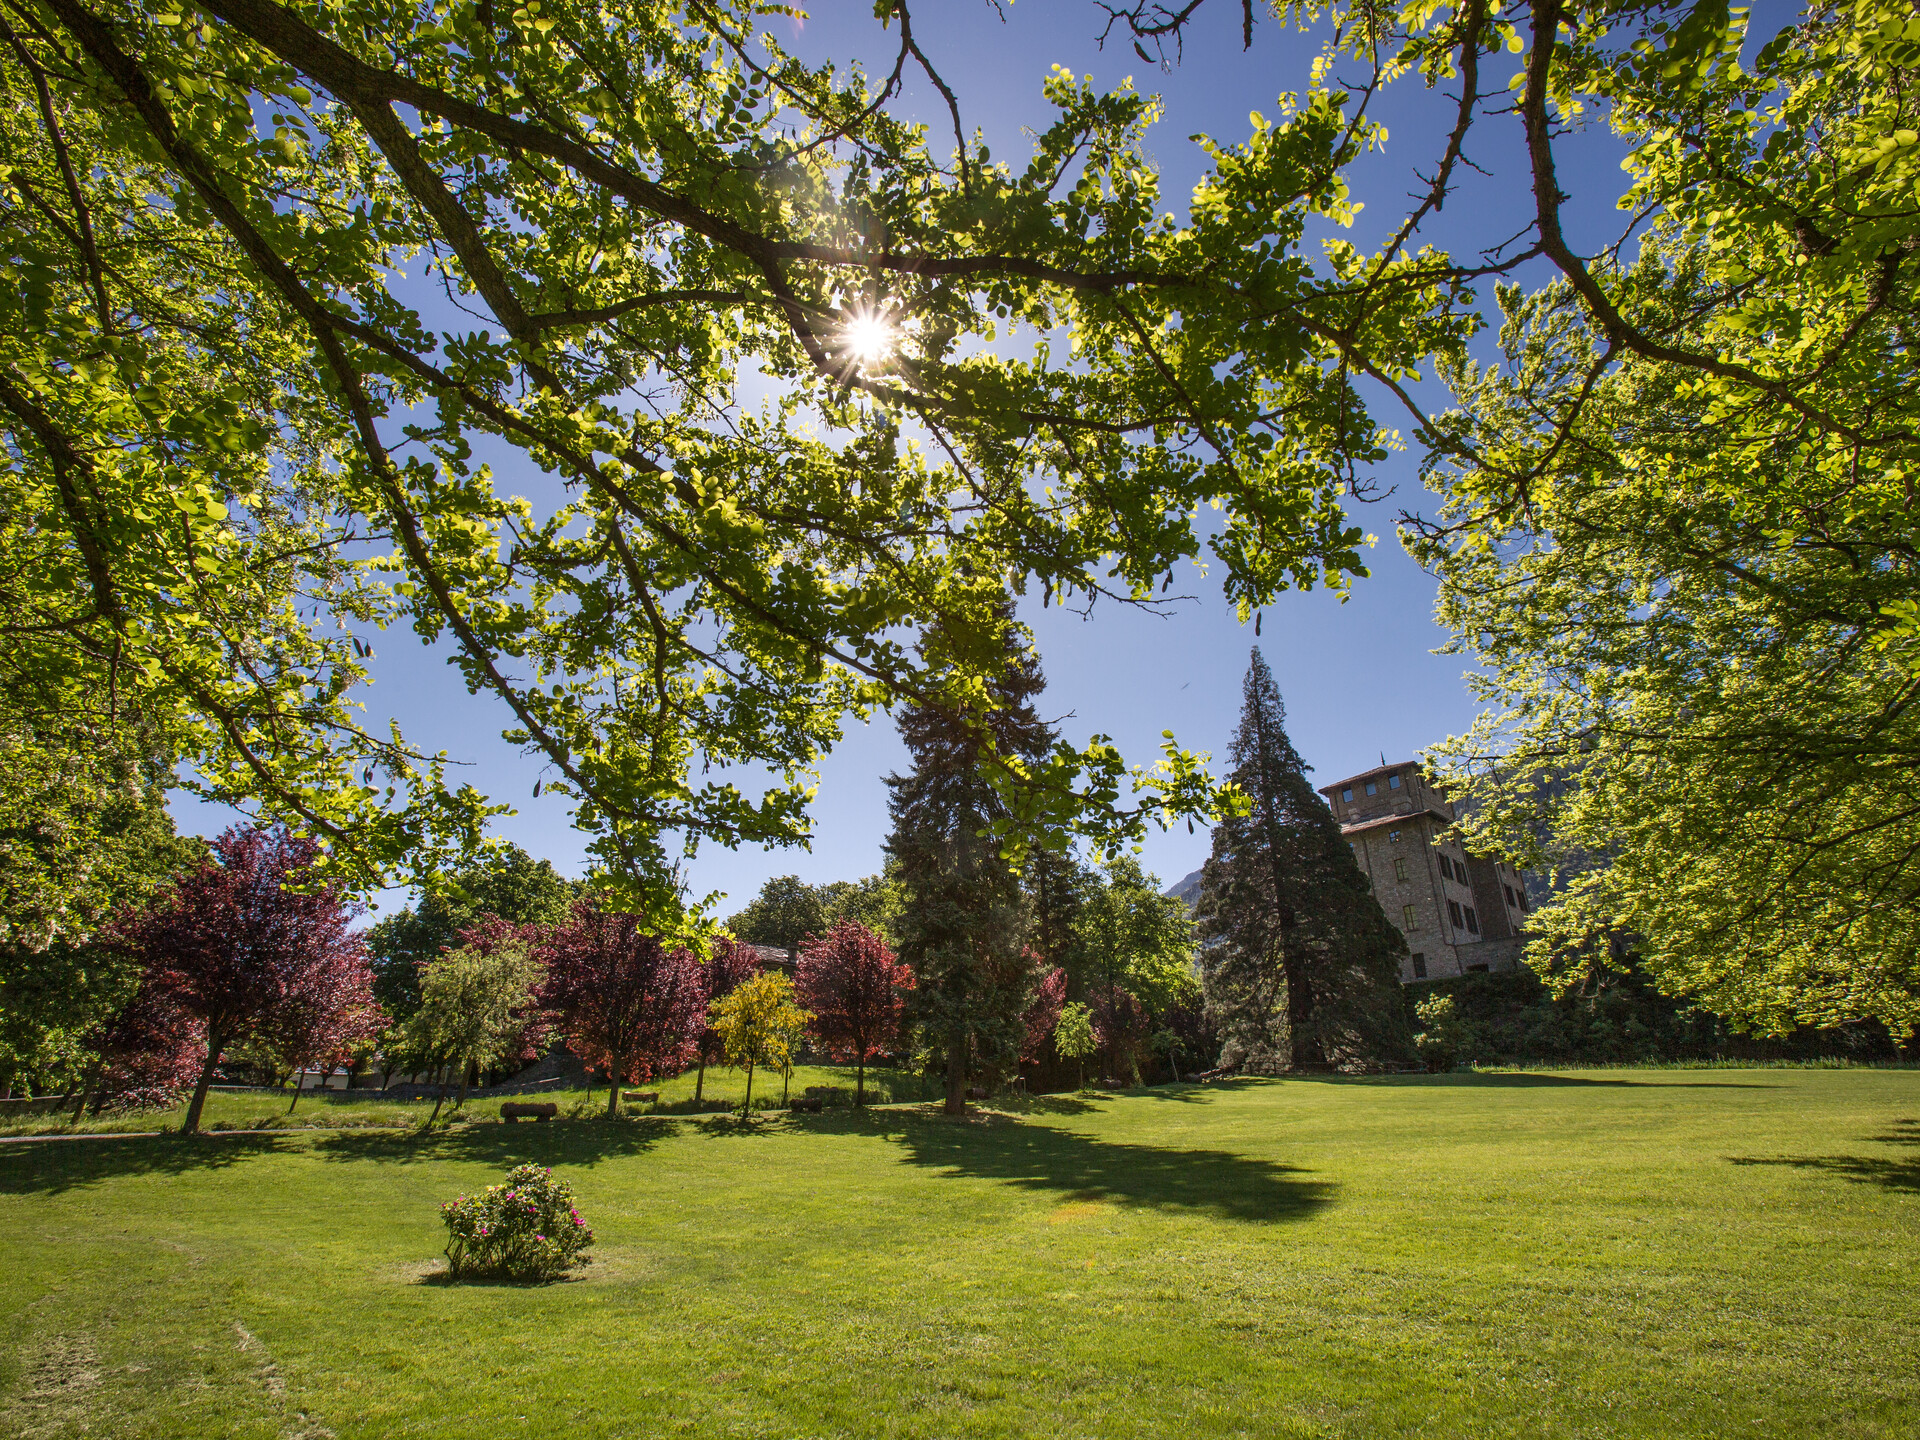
<point>1593,1254</point>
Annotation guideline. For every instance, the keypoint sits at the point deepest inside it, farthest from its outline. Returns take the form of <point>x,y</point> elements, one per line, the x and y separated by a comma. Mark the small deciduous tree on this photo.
<point>476,1002</point>
<point>1043,1012</point>
<point>731,962</point>
<point>248,937</point>
<point>851,981</point>
<point>628,1004</point>
<point>1074,1039</point>
<point>759,1024</point>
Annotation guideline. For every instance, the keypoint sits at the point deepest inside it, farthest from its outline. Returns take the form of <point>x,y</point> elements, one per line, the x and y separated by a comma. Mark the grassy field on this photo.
<point>266,1110</point>
<point>1598,1254</point>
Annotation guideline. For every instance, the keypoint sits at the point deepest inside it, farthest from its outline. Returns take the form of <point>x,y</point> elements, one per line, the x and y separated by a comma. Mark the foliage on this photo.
<point>1302,968</point>
<point>728,962</point>
<point>785,914</point>
<point>627,1003</point>
<point>1073,1036</point>
<point>962,924</point>
<point>759,1025</point>
<point>526,1229</point>
<point>214,362</point>
<point>851,983</point>
<point>84,834</point>
<point>1057,885</point>
<point>872,902</point>
<point>1122,1027</point>
<point>1130,935</point>
<point>1042,1015</point>
<point>1613,1015</point>
<point>508,883</point>
<point>253,939</point>
<point>1444,1038</point>
<point>476,1003</point>
<point>147,1055</point>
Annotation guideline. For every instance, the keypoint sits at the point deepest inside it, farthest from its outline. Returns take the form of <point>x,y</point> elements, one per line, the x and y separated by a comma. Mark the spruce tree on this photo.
<point>962,927</point>
<point>1302,968</point>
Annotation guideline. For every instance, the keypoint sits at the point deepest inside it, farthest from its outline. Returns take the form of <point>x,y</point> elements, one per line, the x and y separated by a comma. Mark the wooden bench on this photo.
<point>523,1110</point>
<point>640,1097</point>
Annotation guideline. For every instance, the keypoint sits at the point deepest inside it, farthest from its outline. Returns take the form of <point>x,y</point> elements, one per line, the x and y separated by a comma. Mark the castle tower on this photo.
<point>1459,913</point>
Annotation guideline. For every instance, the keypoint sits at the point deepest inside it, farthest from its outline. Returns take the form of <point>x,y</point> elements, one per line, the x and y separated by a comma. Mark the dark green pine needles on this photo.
<point>963,926</point>
<point>1302,969</point>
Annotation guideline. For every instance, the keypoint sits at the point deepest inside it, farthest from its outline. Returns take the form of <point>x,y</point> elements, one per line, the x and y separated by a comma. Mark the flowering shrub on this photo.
<point>526,1229</point>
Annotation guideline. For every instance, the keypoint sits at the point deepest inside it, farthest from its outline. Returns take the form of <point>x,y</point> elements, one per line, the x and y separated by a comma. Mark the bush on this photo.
<point>1445,1036</point>
<point>526,1229</point>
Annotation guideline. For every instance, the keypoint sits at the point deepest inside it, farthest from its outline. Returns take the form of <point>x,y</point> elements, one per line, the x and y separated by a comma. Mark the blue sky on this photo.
<point>1359,678</point>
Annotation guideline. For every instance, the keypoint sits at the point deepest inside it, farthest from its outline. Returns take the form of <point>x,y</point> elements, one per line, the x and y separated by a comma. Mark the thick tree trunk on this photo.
<point>956,1075</point>
<point>613,1092</point>
<point>191,1125</point>
<point>85,1090</point>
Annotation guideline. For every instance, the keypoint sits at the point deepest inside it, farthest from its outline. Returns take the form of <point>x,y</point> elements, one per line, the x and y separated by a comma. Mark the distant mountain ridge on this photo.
<point>1187,889</point>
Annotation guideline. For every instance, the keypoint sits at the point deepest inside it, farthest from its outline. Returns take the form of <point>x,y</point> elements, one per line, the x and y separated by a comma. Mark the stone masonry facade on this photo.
<point>1458,912</point>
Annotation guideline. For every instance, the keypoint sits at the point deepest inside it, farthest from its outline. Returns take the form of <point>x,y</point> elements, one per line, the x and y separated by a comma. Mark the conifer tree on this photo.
<point>963,921</point>
<point>1303,970</point>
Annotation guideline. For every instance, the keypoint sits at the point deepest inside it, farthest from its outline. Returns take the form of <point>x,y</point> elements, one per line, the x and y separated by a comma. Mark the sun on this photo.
<point>868,336</point>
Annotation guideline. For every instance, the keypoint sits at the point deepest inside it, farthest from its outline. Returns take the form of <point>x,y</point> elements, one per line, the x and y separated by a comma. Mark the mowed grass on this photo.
<point>1598,1254</point>
<point>264,1109</point>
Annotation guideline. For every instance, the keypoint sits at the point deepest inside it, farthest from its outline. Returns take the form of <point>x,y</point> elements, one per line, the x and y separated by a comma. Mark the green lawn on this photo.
<point>1597,1254</point>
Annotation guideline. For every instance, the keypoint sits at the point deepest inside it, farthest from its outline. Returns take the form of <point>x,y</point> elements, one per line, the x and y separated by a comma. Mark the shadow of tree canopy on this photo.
<point>1079,1167</point>
<point>558,1142</point>
<point>1899,1173</point>
<point>51,1167</point>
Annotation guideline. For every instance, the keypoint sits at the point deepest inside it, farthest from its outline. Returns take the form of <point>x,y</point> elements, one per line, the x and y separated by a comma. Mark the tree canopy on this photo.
<point>285,273</point>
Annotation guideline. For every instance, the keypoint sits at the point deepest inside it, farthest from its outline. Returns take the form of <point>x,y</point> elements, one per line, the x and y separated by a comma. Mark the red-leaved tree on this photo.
<point>327,1016</point>
<point>733,961</point>
<point>247,939</point>
<point>852,983</point>
<point>1043,1012</point>
<point>149,1053</point>
<point>626,1003</point>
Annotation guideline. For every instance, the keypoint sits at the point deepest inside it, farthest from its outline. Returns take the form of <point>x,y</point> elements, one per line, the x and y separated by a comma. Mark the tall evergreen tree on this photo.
<point>962,927</point>
<point>1303,970</point>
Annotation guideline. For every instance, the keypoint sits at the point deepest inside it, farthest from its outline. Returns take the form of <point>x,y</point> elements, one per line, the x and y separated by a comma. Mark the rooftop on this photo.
<point>1372,774</point>
<point>1399,817</point>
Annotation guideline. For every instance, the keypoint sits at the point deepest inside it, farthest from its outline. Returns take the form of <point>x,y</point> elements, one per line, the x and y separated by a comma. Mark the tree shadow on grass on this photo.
<point>53,1167</point>
<point>1899,1173</point>
<point>1045,1158</point>
<point>557,1142</point>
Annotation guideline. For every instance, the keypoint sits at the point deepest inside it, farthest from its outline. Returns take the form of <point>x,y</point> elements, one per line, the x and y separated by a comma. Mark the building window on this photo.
<point>1453,911</point>
<point>1409,919</point>
<point>1399,867</point>
<point>1523,899</point>
<point>1393,782</point>
<point>1509,890</point>
<point>1372,788</point>
<point>1446,867</point>
<point>1419,966</point>
<point>1473,921</point>
<point>1393,837</point>
<point>1346,793</point>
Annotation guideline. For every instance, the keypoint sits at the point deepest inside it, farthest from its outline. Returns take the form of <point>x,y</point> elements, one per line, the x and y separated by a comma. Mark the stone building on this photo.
<point>1458,912</point>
